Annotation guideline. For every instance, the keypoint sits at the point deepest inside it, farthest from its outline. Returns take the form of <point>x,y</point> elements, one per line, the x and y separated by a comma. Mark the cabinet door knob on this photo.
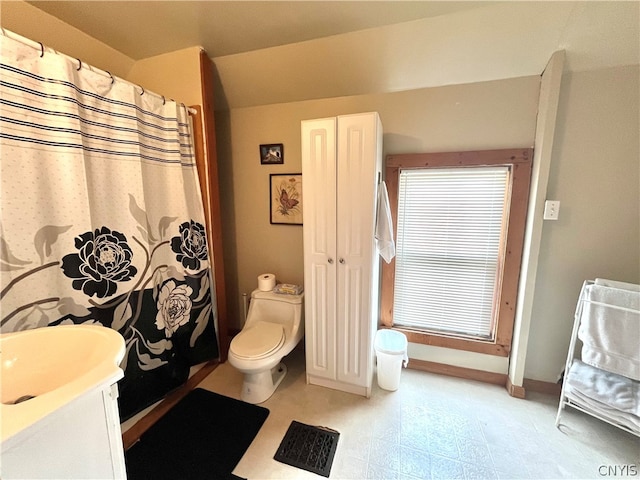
<point>342,261</point>
<point>330,261</point>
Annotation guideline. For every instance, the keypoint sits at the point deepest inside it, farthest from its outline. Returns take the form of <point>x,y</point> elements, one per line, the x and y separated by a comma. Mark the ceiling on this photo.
<point>140,29</point>
<point>268,52</point>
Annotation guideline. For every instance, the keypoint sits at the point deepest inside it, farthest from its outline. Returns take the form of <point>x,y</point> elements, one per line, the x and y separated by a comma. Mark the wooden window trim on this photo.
<point>520,161</point>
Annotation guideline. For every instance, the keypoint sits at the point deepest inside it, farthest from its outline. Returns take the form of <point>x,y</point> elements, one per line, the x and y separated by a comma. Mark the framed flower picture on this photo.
<point>285,198</point>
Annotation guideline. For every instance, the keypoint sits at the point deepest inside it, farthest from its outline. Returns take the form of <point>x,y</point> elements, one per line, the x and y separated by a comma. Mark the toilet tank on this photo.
<point>275,307</point>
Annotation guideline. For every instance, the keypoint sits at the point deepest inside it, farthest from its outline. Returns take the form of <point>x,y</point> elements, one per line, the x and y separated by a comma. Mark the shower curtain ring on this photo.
<point>41,49</point>
<point>142,92</point>
<point>112,79</point>
<point>164,100</point>
<point>79,64</point>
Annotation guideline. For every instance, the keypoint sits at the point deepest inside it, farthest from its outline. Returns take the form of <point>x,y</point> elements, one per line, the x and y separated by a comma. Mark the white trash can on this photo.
<point>391,353</point>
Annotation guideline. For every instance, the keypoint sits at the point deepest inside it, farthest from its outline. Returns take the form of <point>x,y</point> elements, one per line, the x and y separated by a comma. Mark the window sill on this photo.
<point>478,346</point>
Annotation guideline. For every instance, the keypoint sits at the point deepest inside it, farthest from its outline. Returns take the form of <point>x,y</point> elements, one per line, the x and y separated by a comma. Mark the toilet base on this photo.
<point>258,387</point>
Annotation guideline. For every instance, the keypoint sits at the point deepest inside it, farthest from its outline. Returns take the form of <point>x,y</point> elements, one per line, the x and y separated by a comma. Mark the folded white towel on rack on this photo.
<point>384,225</point>
<point>610,329</point>
<point>611,414</point>
<point>612,396</point>
<point>617,284</point>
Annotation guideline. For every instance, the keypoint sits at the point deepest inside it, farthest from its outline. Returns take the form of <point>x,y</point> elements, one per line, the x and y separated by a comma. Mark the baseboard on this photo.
<point>542,386</point>
<point>460,372</point>
<point>515,390</point>
<point>336,385</point>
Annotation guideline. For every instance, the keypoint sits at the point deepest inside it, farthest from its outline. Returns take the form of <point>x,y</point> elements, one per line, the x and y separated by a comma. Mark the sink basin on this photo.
<point>46,368</point>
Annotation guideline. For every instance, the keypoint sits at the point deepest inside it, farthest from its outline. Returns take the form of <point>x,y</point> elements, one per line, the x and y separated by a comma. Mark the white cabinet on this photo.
<point>341,167</point>
<point>80,440</point>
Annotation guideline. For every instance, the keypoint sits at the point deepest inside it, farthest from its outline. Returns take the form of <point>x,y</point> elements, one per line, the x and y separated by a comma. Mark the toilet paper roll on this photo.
<point>266,282</point>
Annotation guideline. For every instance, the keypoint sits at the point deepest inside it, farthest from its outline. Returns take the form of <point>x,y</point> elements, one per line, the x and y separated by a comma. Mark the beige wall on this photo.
<point>498,114</point>
<point>34,24</point>
<point>595,173</point>
<point>175,75</point>
<point>594,170</point>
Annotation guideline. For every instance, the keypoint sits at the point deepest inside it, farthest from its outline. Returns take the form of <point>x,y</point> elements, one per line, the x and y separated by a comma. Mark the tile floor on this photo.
<point>433,426</point>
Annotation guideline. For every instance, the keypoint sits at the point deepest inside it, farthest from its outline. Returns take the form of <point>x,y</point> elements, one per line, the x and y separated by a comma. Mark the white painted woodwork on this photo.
<point>545,132</point>
<point>341,160</point>
<point>80,440</point>
<point>319,211</point>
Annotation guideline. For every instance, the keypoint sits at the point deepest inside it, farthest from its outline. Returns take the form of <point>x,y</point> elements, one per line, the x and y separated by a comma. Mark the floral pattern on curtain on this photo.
<point>101,218</point>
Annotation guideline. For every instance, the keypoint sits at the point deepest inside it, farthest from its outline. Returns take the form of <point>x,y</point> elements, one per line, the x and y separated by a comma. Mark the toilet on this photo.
<point>273,328</point>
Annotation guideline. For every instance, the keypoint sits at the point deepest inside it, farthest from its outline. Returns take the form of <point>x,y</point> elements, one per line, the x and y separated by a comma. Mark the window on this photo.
<point>450,225</point>
<point>459,221</point>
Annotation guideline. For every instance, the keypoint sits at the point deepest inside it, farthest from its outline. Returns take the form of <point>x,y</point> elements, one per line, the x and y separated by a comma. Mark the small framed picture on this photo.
<point>285,198</point>
<point>271,154</point>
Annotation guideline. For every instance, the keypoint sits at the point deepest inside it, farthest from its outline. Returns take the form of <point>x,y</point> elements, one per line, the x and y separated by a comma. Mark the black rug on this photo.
<point>202,437</point>
<point>309,448</point>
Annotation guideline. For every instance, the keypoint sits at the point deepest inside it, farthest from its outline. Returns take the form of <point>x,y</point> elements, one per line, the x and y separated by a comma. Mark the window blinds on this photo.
<point>450,226</point>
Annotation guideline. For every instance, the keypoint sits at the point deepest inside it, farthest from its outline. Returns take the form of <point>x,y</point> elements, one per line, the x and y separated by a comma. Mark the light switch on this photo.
<point>551,209</point>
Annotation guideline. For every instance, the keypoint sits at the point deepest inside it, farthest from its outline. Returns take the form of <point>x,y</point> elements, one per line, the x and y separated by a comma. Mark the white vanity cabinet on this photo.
<point>80,440</point>
<point>341,168</point>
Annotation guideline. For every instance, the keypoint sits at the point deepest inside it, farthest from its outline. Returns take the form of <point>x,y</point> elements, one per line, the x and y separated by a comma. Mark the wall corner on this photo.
<point>543,145</point>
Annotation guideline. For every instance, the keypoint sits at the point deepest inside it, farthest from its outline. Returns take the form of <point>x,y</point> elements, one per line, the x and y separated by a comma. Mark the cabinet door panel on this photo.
<point>350,319</point>
<point>356,183</point>
<point>356,169</point>
<point>319,213</point>
<point>316,330</point>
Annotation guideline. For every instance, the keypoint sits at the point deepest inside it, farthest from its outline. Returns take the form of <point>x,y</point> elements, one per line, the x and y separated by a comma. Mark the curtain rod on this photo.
<point>39,46</point>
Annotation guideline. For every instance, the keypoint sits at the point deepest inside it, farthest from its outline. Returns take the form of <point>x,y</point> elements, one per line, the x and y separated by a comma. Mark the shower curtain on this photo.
<point>101,218</point>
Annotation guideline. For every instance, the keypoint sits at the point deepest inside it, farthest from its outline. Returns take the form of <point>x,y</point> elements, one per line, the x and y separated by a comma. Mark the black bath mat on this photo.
<point>309,448</point>
<point>203,436</point>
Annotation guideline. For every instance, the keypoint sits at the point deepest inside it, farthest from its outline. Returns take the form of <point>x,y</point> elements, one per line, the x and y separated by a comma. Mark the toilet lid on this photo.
<point>259,340</point>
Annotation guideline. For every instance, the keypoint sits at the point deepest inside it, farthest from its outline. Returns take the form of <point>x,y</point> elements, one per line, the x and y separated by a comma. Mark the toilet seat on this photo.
<point>258,341</point>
